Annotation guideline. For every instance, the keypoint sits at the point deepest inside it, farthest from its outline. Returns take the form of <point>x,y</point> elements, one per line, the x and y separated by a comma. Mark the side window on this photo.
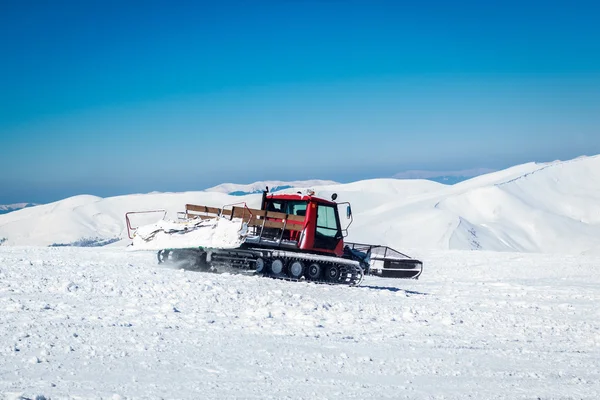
<point>326,222</point>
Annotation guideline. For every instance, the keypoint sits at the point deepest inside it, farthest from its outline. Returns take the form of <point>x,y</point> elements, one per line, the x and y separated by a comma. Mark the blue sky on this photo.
<point>106,98</point>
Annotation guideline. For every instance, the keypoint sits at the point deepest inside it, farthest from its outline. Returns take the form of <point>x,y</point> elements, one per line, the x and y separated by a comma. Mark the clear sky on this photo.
<point>115,97</point>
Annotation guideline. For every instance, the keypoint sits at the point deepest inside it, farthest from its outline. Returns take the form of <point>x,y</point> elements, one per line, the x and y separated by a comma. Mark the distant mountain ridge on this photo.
<point>449,180</point>
<point>445,177</point>
<point>6,208</point>
<point>235,189</point>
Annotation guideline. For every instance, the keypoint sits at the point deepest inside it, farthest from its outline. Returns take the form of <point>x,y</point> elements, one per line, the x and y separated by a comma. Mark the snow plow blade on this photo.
<point>384,261</point>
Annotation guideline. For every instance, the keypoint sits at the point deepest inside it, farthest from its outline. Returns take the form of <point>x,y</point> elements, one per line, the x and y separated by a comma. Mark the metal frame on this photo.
<point>369,247</point>
<point>345,230</point>
<point>379,257</point>
<point>232,205</point>
<point>130,228</point>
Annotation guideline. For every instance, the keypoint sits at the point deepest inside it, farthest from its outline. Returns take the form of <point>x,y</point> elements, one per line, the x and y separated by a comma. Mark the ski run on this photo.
<point>106,323</point>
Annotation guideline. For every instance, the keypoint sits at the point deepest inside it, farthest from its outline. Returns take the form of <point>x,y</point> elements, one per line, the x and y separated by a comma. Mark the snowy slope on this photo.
<point>87,216</point>
<point>109,324</point>
<point>549,207</point>
<point>554,208</point>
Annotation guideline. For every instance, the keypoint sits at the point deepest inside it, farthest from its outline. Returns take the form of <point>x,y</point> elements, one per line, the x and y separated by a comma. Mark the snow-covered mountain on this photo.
<point>6,208</point>
<point>535,207</point>
<point>235,189</point>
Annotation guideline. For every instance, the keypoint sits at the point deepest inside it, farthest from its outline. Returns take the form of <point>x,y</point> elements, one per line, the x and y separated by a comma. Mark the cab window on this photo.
<point>326,221</point>
<point>288,207</point>
<point>297,207</point>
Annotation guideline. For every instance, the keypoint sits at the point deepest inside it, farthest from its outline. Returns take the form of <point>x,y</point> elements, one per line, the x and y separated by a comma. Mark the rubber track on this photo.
<point>351,274</point>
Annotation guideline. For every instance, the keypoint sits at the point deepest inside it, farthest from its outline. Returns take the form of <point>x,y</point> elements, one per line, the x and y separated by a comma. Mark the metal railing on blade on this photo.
<point>131,229</point>
<point>244,207</point>
<point>246,213</point>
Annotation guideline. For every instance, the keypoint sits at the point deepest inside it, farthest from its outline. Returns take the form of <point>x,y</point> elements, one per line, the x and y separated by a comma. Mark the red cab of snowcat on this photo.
<point>322,232</point>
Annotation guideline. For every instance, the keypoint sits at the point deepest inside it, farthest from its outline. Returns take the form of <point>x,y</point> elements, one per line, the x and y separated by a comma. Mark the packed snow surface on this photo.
<point>106,323</point>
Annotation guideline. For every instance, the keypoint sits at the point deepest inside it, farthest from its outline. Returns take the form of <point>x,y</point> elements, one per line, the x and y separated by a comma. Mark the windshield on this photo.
<point>294,207</point>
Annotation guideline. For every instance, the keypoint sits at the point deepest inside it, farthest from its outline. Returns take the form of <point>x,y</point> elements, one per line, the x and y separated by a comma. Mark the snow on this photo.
<point>535,207</point>
<point>548,208</point>
<point>212,233</point>
<point>86,216</point>
<point>516,319</point>
<point>112,324</point>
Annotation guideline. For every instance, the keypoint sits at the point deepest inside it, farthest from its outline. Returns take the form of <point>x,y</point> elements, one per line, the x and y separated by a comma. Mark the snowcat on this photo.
<point>293,236</point>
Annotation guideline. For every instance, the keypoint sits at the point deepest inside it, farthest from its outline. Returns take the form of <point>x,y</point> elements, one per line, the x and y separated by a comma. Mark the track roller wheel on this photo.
<point>332,273</point>
<point>296,269</point>
<point>277,266</point>
<point>314,271</point>
<point>260,265</point>
<point>163,256</point>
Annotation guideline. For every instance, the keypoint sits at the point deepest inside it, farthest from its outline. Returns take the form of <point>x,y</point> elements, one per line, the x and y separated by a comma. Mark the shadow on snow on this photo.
<point>394,289</point>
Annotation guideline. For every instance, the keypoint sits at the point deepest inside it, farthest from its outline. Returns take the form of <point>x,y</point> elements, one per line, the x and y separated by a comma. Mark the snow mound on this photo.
<point>210,233</point>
